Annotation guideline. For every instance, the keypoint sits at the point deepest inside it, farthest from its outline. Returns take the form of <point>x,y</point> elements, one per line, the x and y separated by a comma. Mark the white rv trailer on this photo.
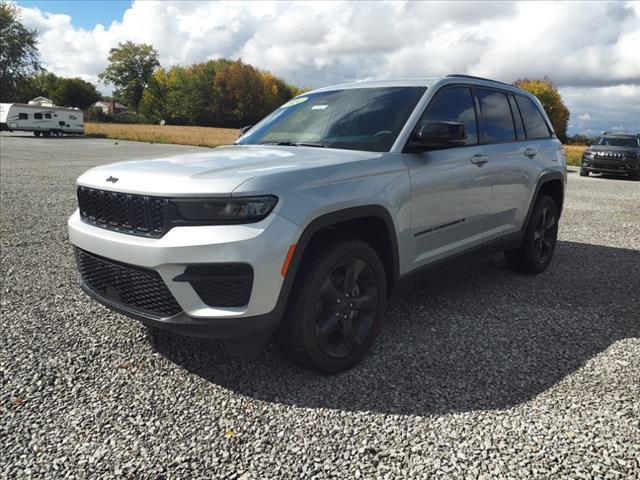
<point>40,120</point>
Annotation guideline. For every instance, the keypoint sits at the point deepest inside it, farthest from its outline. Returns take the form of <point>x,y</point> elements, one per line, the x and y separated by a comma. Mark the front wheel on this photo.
<point>536,251</point>
<point>584,172</point>
<point>337,306</point>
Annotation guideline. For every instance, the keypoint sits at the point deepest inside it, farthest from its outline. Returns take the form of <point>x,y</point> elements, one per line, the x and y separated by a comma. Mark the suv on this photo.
<point>613,153</point>
<point>301,230</point>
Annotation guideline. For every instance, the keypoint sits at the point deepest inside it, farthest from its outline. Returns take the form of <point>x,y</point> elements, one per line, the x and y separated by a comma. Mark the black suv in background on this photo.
<point>613,153</point>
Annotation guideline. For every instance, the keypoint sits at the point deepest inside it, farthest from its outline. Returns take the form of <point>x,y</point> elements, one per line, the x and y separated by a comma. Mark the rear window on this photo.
<point>497,122</point>
<point>533,121</point>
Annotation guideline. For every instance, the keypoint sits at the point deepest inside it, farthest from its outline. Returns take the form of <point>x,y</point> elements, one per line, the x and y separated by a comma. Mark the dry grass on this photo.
<point>574,154</point>
<point>199,136</point>
<point>211,137</point>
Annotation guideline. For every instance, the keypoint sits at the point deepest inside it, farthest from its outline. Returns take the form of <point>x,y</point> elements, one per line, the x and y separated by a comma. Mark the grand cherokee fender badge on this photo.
<point>112,179</point>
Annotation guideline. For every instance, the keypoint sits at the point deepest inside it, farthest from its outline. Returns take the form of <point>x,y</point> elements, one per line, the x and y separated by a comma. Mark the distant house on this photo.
<point>110,107</point>
<point>42,102</point>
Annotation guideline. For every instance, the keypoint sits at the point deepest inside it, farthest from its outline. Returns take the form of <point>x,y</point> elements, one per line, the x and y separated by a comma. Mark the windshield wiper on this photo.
<point>288,143</point>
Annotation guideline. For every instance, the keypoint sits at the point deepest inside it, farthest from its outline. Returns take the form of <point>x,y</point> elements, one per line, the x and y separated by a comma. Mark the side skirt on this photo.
<point>508,242</point>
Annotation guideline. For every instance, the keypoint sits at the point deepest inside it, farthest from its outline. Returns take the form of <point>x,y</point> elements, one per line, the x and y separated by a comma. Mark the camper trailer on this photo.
<point>41,120</point>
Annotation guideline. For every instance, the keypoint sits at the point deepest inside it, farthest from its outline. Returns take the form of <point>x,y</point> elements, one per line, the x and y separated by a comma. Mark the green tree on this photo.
<point>552,102</point>
<point>19,58</point>
<point>130,68</point>
<point>74,92</point>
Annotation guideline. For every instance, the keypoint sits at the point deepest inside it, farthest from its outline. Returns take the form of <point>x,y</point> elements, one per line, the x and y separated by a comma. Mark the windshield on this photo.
<point>618,141</point>
<point>355,119</point>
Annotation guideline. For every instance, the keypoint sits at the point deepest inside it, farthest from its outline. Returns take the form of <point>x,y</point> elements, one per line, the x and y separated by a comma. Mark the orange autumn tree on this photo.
<point>548,94</point>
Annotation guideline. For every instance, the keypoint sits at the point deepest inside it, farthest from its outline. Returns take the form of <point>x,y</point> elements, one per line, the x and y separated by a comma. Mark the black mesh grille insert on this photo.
<point>220,285</point>
<point>133,214</point>
<point>133,287</point>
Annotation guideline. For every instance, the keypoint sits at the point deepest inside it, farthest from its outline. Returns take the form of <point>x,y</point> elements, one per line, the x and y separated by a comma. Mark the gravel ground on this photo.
<point>482,373</point>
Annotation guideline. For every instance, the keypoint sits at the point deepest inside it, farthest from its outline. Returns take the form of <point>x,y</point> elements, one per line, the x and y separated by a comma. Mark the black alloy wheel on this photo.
<point>336,306</point>
<point>544,235</point>
<point>346,308</point>
<point>539,242</point>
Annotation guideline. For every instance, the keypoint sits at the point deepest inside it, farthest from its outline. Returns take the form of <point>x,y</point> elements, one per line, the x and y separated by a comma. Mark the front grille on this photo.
<point>137,288</point>
<point>220,285</point>
<point>133,214</point>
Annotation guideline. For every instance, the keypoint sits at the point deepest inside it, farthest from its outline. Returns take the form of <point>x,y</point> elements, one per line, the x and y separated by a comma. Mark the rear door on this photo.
<point>521,147</point>
<point>451,188</point>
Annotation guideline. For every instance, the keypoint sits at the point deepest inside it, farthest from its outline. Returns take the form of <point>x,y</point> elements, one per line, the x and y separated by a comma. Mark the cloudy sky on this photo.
<point>590,50</point>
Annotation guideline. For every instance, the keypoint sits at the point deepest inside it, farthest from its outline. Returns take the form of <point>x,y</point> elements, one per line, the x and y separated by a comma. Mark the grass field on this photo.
<point>211,137</point>
<point>199,136</point>
<point>574,154</point>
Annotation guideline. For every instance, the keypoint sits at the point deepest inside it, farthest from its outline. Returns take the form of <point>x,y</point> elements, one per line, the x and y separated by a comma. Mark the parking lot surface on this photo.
<point>478,373</point>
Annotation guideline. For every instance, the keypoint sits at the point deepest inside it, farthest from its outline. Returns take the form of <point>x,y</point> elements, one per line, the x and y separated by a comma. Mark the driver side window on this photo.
<point>454,104</point>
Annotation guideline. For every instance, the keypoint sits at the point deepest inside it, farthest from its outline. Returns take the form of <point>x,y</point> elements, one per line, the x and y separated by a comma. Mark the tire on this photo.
<point>46,134</point>
<point>584,173</point>
<point>323,327</point>
<point>58,133</point>
<point>36,134</point>
<point>635,176</point>
<point>536,251</point>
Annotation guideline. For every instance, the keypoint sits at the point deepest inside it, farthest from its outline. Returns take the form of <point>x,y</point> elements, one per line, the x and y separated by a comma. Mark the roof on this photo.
<point>421,82</point>
<point>39,99</point>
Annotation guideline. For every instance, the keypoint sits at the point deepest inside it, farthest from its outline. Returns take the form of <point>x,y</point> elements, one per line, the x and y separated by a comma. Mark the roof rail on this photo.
<point>460,75</point>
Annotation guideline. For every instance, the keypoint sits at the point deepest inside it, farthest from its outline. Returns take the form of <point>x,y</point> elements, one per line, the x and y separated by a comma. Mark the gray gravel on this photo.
<point>481,373</point>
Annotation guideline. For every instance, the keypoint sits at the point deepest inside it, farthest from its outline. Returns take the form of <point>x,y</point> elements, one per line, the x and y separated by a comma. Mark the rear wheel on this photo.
<point>584,172</point>
<point>336,308</point>
<point>46,134</point>
<point>539,243</point>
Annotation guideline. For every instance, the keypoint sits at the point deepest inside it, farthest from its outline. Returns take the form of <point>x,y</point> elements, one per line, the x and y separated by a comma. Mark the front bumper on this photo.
<point>616,167</point>
<point>262,245</point>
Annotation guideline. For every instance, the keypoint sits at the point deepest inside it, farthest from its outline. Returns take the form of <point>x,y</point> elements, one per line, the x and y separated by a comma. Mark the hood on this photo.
<point>612,149</point>
<point>215,172</point>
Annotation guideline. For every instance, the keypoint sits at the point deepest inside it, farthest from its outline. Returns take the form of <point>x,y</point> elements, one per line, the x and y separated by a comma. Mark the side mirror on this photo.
<point>437,135</point>
<point>244,130</point>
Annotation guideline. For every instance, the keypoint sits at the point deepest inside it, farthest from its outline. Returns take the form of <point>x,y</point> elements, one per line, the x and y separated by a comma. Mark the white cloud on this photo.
<point>585,117</point>
<point>588,49</point>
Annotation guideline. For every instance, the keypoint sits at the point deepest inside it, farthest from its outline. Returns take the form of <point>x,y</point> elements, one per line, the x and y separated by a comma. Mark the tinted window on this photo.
<point>454,105</point>
<point>517,118</point>
<point>497,123</point>
<point>355,119</point>
<point>47,115</point>
<point>533,121</point>
<point>23,116</point>
<point>37,116</point>
<point>618,141</point>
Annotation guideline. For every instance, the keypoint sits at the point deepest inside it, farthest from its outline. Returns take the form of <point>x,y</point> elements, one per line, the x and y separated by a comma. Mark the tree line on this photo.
<point>222,92</point>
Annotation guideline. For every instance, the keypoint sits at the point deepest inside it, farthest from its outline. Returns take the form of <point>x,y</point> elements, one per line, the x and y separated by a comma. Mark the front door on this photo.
<point>451,188</point>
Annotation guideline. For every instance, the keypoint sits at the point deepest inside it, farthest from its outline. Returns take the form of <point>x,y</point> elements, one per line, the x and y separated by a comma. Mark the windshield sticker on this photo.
<point>294,101</point>
<point>319,107</point>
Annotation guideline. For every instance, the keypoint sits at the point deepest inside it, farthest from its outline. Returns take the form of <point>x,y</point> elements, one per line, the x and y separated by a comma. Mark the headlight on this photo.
<point>219,211</point>
<point>588,154</point>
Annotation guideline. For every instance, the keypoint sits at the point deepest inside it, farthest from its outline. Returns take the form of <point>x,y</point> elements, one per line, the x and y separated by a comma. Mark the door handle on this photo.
<point>479,160</point>
<point>530,152</point>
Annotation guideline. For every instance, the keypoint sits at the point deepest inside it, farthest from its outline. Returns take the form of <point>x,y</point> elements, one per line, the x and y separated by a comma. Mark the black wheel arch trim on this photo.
<point>545,178</point>
<point>333,218</point>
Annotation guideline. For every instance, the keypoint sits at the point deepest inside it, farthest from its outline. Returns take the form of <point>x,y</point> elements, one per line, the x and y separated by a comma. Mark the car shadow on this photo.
<point>475,338</point>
